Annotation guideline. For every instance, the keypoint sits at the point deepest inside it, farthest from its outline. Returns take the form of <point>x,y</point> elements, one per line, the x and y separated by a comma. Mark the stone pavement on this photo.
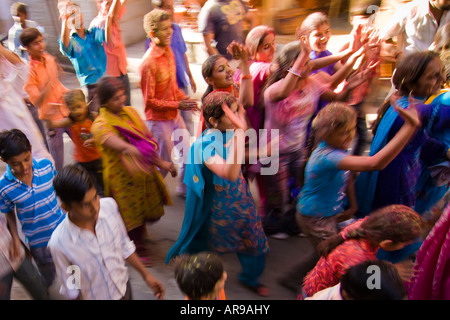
<point>284,254</point>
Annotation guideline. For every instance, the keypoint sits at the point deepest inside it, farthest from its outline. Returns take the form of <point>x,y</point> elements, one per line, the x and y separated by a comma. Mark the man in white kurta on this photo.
<point>14,114</point>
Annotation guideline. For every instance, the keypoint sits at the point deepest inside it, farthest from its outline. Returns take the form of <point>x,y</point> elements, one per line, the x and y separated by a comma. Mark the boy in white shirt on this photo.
<point>90,247</point>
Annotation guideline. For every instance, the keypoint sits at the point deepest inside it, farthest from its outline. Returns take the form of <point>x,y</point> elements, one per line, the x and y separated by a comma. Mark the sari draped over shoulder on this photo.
<point>137,186</point>
<point>366,182</point>
<point>431,279</point>
<point>220,215</point>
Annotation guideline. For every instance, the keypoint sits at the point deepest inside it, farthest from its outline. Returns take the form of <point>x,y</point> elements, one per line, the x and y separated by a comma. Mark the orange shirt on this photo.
<point>81,131</point>
<point>43,79</point>
<point>116,53</point>
<point>159,84</point>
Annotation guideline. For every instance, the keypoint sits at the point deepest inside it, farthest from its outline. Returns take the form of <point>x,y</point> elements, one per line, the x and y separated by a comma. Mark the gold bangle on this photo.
<point>247,76</point>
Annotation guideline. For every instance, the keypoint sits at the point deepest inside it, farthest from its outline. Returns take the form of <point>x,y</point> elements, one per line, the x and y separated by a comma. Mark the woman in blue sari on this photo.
<point>419,75</point>
<point>220,212</point>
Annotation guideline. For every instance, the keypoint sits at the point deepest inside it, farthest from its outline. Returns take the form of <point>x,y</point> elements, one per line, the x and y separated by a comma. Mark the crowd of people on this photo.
<point>385,211</point>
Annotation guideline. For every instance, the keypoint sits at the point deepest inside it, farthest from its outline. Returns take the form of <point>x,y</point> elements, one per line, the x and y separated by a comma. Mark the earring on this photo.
<point>215,125</point>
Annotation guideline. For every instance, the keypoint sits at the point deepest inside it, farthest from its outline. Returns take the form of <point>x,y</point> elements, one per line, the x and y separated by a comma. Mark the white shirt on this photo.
<point>93,265</point>
<point>13,111</point>
<point>331,293</point>
<point>414,25</point>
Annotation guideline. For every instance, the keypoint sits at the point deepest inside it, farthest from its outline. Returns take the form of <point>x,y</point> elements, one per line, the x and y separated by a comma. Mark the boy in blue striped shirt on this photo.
<point>26,188</point>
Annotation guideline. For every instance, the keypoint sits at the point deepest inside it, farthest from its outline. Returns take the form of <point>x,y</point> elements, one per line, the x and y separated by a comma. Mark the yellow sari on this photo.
<point>141,197</point>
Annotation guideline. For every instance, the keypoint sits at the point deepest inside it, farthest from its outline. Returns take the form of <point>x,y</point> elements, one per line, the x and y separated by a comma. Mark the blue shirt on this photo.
<point>87,55</point>
<point>323,194</point>
<point>37,207</point>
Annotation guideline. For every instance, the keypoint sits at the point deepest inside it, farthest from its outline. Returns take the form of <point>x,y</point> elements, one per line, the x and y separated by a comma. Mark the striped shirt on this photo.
<point>93,265</point>
<point>36,206</point>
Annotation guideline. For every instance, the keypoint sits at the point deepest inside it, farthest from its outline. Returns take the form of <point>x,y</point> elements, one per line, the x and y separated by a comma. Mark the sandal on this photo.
<point>260,290</point>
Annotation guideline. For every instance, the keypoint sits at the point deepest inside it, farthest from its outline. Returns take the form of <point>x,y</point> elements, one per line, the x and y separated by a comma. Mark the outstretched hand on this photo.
<point>238,51</point>
<point>409,114</point>
<point>238,119</point>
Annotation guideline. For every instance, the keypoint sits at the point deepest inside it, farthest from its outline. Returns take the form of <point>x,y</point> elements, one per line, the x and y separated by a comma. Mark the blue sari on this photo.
<point>395,184</point>
<point>429,193</point>
<point>220,215</point>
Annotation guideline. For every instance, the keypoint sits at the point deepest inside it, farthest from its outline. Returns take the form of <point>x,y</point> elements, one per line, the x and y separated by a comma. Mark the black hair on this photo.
<point>13,143</point>
<point>359,282</point>
<point>212,105</point>
<point>72,183</point>
<point>18,7</point>
<point>28,35</point>
<point>107,87</point>
<point>198,274</point>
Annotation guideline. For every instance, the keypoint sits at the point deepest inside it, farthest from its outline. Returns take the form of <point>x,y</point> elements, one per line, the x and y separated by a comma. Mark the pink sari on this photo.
<point>431,280</point>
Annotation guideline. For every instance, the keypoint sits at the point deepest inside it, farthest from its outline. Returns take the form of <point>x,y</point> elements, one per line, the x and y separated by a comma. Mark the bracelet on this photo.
<point>294,73</point>
<point>247,76</point>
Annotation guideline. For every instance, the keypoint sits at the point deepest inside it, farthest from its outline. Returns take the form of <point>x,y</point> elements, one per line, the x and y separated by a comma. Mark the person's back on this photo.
<point>201,276</point>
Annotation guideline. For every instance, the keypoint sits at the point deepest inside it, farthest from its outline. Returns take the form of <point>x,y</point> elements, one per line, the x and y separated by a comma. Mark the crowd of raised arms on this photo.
<point>290,119</point>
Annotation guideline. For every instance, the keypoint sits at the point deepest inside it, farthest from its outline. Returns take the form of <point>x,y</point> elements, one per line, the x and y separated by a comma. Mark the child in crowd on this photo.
<point>85,49</point>
<point>218,74</point>
<point>368,280</point>
<point>201,276</point>
<point>291,97</point>
<point>93,238</point>
<point>38,214</point>
<point>390,228</point>
<point>316,29</point>
<point>45,90</point>
<point>178,46</point>
<point>19,13</point>
<point>220,213</point>
<point>327,176</point>
<point>162,97</point>
<point>79,123</point>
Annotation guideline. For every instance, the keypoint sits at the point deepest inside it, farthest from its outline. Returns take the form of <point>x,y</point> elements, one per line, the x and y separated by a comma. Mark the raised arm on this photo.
<point>291,81</point>
<point>239,52</point>
<point>383,157</point>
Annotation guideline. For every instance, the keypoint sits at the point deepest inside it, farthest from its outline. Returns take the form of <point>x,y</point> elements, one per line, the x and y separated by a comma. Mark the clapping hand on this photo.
<point>238,119</point>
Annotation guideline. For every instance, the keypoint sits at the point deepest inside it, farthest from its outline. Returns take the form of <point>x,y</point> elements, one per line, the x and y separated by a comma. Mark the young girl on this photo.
<point>79,123</point>
<point>129,163</point>
<point>291,98</point>
<point>220,212</point>
<point>327,176</point>
<point>201,276</point>
<point>390,228</point>
<point>316,29</point>
<point>218,74</point>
